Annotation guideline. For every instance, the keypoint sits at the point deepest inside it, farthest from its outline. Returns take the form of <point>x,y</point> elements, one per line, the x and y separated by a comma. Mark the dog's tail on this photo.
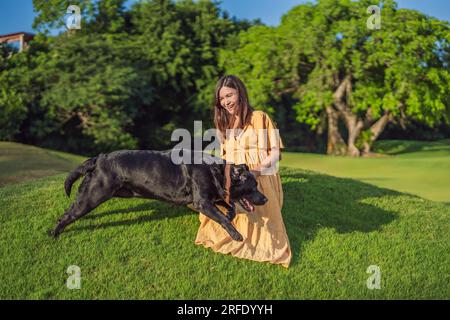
<point>81,170</point>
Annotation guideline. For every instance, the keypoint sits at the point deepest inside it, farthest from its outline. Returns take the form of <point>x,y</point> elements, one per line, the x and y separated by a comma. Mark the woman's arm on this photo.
<point>273,143</point>
<point>269,162</point>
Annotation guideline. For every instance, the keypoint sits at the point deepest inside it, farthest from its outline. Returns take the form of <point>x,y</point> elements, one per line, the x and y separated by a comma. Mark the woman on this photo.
<point>253,140</point>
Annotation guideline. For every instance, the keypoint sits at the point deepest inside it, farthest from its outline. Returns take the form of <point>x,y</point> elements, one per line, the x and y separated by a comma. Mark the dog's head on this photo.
<point>244,188</point>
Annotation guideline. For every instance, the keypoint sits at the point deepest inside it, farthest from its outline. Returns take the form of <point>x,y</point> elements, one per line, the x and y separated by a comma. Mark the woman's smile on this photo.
<point>230,108</point>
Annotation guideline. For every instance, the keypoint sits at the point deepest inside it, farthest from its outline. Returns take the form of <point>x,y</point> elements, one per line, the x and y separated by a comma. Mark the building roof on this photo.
<point>16,34</point>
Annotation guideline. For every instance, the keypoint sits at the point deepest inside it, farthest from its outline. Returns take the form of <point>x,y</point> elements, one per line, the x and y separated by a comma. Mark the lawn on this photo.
<point>419,168</point>
<point>142,249</point>
<point>20,162</point>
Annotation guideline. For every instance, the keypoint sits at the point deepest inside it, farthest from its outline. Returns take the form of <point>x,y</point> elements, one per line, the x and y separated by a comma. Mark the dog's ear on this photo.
<point>236,171</point>
<point>241,168</point>
<point>239,173</point>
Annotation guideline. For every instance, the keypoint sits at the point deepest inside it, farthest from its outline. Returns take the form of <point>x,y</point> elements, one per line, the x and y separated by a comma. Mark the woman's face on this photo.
<point>229,99</point>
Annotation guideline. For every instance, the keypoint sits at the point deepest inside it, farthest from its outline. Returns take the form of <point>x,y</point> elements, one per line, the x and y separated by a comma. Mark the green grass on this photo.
<point>134,248</point>
<point>20,162</point>
<point>143,249</point>
<point>420,168</point>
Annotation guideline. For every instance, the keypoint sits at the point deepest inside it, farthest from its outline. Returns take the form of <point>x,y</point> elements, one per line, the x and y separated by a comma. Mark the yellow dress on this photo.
<point>263,230</point>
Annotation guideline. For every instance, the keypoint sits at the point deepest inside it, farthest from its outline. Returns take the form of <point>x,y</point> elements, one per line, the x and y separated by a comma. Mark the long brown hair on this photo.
<point>222,119</point>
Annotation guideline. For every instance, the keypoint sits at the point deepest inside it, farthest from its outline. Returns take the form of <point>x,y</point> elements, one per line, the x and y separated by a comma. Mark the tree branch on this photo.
<point>379,125</point>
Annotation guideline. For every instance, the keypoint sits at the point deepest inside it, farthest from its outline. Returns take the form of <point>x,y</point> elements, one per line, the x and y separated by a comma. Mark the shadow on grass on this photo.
<point>395,147</point>
<point>158,210</point>
<point>313,201</point>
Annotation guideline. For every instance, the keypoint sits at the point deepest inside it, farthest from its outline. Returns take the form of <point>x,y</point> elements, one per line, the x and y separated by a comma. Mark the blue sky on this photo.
<point>18,15</point>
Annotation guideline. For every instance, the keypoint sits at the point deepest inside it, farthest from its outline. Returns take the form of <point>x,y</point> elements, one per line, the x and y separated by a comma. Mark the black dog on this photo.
<point>153,175</point>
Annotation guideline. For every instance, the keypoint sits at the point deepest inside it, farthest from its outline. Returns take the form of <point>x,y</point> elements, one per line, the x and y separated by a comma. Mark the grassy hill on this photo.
<point>20,162</point>
<point>142,249</point>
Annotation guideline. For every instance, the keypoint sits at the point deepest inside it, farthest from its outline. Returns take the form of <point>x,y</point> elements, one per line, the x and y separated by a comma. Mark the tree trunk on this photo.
<point>354,126</point>
<point>353,123</point>
<point>366,147</point>
<point>335,144</point>
<point>376,129</point>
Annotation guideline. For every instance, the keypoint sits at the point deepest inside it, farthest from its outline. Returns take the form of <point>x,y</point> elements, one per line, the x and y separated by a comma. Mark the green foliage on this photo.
<point>401,68</point>
<point>255,52</point>
<point>12,111</point>
<point>129,77</point>
<point>51,13</point>
<point>179,43</point>
<point>14,98</point>
<point>365,138</point>
<point>125,80</point>
<point>97,16</point>
<point>92,80</point>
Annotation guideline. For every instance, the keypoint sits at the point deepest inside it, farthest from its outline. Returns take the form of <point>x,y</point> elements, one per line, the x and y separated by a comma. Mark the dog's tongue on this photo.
<point>247,203</point>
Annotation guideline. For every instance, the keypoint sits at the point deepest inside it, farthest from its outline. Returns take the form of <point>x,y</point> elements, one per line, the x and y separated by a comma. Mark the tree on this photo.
<point>20,89</point>
<point>12,100</point>
<point>97,16</point>
<point>324,56</point>
<point>51,14</point>
<point>90,86</point>
<point>125,80</point>
<point>180,41</point>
